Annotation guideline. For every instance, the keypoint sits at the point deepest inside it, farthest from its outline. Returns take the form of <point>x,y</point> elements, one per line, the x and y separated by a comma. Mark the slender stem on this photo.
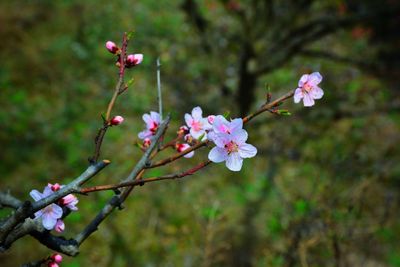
<point>159,95</point>
<point>145,180</point>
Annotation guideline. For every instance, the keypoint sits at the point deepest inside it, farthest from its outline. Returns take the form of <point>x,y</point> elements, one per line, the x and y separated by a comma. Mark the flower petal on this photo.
<point>145,134</point>
<point>48,221</point>
<point>36,195</point>
<point>197,113</point>
<point>57,211</point>
<point>303,80</point>
<point>220,124</point>
<point>147,119</point>
<point>189,120</point>
<point>315,78</point>
<point>239,136</point>
<point>316,92</point>
<point>197,134</point>
<point>221,139</point>
<point>247,150</point>
<point>155,117</point>
<point>217,154</point>
<point>308,100</point>
<point>234,162</point>
<point>235,125</point>
<point>298,95</point>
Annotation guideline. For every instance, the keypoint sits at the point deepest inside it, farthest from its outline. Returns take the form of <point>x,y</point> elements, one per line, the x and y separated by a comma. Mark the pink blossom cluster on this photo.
<point>130,61</point>
<point>51,215</point>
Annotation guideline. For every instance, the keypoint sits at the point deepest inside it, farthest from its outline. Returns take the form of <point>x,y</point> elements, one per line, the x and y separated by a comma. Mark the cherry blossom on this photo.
<point>70,202</point>
<point>308,89</point>
<point>152,121</point>
<point>182,147</point>
<point>232,148</point>
<point>197,124</point>
<point>51,213</point>
<point>60,226</point>
<point>133,60</point>
<point>223,126</point>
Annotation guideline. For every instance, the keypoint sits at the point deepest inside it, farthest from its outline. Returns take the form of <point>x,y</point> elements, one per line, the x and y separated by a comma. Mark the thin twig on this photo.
<point>159,95</point>
<point>145,180</point>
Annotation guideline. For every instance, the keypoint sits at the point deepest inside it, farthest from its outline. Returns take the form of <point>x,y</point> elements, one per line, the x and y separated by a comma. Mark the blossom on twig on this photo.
<point>182,147</point>
<point>308,89</point>
<point>197,124</point>
<point>51,213</point>
<point>152,121</point>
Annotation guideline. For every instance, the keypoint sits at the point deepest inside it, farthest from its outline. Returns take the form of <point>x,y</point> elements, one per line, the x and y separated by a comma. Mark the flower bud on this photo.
<point>182,147</point>
<point>146,142</point>
<point>188,138</point>
<point>57,258</point>
<point>183,130</point>
<point>60,226</point>
<point>54,187</point>
<point>211,119</point>
<point>52,264</point>
<point>116,120</point>
<point>133,60</point>
<point>112,47</point>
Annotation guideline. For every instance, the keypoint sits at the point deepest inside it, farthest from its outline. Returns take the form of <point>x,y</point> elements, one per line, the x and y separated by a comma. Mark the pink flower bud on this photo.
<point>52,264</point>
<point>117,120</point>
<point>133,60</point>
<point>211,119</point>
<point>188,138</point>
<point>57,258</point>
<point>112,47</point>
<point>60,226</point>
<point>182,147</point>
<point>146,142</point>
<point>183,130</point>
<point>54,187</point>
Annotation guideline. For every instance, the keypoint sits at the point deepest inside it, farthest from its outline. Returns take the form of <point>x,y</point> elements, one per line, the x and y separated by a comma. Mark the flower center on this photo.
<point>196,125</point>
<point>154,127</point>
<point>307,87</point>
<point>231,147</point>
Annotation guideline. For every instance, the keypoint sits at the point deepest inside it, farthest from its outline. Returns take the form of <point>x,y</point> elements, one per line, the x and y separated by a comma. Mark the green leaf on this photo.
<point>283,112</point>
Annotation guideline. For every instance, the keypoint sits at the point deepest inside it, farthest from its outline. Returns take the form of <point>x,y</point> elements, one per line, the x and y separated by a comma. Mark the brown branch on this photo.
<point>145,180</point>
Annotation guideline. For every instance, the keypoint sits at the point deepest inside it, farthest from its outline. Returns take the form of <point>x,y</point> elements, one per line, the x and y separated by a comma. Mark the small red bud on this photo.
<point>55,187</point>
<point>57,258</point>
<point>117,120</point>
<point>146,142</point>
<point>112,47</point>
<point>183,130</point>
<point>52,264</point>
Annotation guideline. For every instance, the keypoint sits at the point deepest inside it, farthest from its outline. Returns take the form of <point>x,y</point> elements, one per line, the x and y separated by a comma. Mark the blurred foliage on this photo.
<point>323,190</point>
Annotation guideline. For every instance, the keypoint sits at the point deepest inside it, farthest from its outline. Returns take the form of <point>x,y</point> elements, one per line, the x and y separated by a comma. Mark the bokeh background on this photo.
<point>324,188</point>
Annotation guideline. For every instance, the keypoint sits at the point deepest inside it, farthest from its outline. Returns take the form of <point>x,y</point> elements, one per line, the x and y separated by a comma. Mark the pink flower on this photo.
<point>112,47</point>
<point>182,147</point>
<point>60,226</point>
<point>117,120</point>
<point>57,258</point>
<point>152,121</point>
<point>70,202</point>
<point>232,148</point>
<point>308,89</point>
<point>49,214</point>
<point>197,124</point>
<point>133,60</point>
<point>223,126</point>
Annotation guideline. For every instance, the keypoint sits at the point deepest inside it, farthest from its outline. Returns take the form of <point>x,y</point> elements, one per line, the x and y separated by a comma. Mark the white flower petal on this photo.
<point>315,78</point>
<point>236,124</point>
<point>48,221</point>
<point>36,195</point>
<point>220,124</point>
<point>197,113</point>
<point>188,120</point>
<point>155,117</point>
<point>144,134</point>
<point>239,136</point>
<point>303,80</point>
<point>147,119</point>
<point>298,95</point>
<point>316,92</point>
<point>197,134</point>
<point>56,211</point>
<point>247,150</point>
<point>217,154</point>
<point>221,139</point>
<point>308,100</point>
<point>234,162</point>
